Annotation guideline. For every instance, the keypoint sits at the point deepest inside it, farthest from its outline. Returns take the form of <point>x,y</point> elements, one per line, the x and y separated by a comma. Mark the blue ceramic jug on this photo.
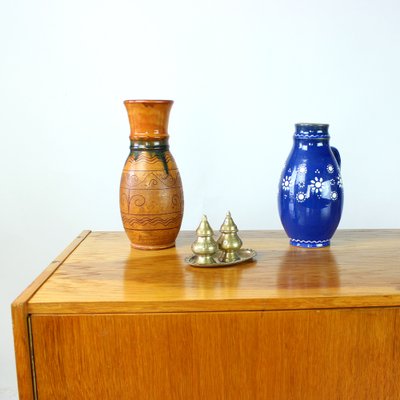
<point>310,195</point>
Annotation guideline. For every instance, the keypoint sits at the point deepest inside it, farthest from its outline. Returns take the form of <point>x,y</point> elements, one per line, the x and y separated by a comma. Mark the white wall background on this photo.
<point>241,72</point>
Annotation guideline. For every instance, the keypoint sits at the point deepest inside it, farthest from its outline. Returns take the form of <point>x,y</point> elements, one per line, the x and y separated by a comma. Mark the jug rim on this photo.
<point>311,124</point>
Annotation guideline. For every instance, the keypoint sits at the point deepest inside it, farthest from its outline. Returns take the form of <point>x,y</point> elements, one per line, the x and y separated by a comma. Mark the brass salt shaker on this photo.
<point>205,247</point>
<point>229,242</point>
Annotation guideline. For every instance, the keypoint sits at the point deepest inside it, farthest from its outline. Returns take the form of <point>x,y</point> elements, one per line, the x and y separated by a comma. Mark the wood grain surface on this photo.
<point>105,275</point>
<point>20,318</point>
<point>351,354</point>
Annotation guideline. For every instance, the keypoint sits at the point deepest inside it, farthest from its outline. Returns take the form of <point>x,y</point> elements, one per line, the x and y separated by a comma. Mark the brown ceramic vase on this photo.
<point>151,195</point>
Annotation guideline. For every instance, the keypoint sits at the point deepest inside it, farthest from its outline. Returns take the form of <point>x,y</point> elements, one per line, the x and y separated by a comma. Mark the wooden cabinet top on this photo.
<point>101,273</point>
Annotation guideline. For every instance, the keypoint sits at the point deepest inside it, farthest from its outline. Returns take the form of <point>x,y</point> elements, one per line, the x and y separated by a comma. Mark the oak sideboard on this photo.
<point>105,321</point>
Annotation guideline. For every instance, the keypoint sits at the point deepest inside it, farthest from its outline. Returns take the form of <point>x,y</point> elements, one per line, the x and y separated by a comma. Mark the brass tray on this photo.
<point>244,254</point>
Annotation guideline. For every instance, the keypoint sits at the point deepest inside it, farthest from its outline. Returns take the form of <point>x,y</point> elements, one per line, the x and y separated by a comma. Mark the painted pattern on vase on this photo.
<point>310,195</point>
<point>151,194</point>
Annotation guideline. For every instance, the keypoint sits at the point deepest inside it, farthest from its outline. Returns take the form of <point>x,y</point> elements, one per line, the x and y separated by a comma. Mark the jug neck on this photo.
<point>148,119</point>
<point>308,131</point>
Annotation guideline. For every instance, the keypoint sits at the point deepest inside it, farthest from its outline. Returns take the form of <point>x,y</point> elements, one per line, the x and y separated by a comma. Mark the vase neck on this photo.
<point>149,145</point>
<point>311,131</point>
<point>148,119</point>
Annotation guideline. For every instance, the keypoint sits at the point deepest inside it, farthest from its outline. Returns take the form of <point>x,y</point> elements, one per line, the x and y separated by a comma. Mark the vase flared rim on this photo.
<point>149,101</point>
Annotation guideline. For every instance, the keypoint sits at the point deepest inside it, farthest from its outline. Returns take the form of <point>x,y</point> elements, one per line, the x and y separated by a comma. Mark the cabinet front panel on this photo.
<point>288,355</point>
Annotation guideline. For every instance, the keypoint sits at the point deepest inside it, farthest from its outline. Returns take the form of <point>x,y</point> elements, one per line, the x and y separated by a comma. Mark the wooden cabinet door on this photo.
<point>310,354</point>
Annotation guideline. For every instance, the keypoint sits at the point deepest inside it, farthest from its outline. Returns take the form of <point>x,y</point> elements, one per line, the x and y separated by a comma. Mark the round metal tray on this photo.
<point>244,254</point>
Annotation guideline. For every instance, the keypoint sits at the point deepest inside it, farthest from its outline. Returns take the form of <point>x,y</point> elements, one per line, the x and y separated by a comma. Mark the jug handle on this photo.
<point>336,153</point>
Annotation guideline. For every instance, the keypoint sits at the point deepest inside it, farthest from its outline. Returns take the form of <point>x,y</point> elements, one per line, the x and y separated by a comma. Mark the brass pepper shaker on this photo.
<point>205,247</point>
<point>229,242</point>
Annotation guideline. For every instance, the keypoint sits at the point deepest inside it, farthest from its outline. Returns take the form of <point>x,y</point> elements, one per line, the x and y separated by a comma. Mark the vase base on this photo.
<point>153,247</point>
<point>310,243</point>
